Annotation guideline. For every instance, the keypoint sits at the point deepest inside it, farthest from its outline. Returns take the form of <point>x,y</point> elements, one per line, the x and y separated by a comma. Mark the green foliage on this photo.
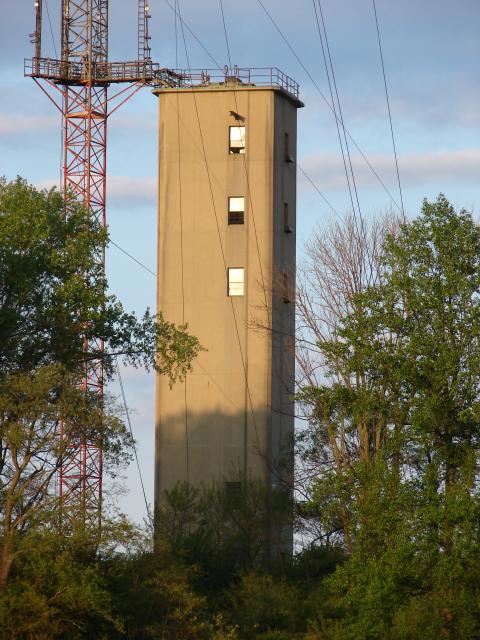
<point>264,606</point>
<point>405,376</point>
<point>222,532</point>
<point>393,444</point>
<point>153,594</point>
<point>45,307</point>
<point>47,315</point>
<point>56,591</point>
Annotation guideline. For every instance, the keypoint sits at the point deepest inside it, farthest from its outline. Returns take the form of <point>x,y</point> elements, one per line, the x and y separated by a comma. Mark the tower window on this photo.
<point>286,149</point>
<point>233,489</point>
<point>233,493</point>
<point>236,210</point>
<point>237,139</point>
<point>236,281</point>
<point>286,292</point>
<point>286,219</point>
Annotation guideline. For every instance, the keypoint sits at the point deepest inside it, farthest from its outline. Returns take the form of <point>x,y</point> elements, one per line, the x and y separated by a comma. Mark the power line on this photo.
<point>340,111</point>
<point>362,225</point>
<point>327,71</point>
<point>388,105</point>
<point>225,34</point>
<point>210,55</point>
<point>207,168</point>
<point>127,413</point>
<point>325,99</point>
<point>176,10</point>
<point>182,259</point>
<point>114,355</point>
<point>144,266</point>
<point>61,130</point>
<point>252,216</point>
<point>51,29</point>
<point>247,177</point>
<point>307,177</point>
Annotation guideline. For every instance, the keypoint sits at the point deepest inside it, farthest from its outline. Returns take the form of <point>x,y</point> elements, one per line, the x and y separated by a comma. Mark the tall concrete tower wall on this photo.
<point>233,417</point>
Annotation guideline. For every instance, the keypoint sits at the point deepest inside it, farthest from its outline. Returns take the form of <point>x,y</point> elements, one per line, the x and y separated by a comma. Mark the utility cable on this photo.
<point>51,29</point>
<point>220,236</point>
<point>271,467</point>
<point>176,34</point>
<point>127,413</point>
<point>144,266</point>
<point>61,130</point>
<point>176,10</point>
<point>225,34</point>
<point>218,66</point>
<point>388,106</point>
<point>327,71</point>
<point>209,54</point>
<point>297,164</point>
<point>340,112</point>
<point>251,215</point>
<point>113,355</point>
<point>247,177</point>
<point>327,202</point>
<point>182,274</point>
<point>361,234</point>
<point>325,99</point>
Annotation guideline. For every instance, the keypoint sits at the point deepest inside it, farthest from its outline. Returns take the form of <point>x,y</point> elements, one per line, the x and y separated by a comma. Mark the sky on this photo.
<point>431,53</point>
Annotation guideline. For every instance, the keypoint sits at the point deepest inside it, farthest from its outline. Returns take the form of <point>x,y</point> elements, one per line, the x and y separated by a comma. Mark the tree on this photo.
<point>222,532</point>
<point>46,311</point>
<point>153,594</point>
<point>45,308</point>
<point>414,506</point>
<point>341,262</point>
<point>63,587</point>
<point>57,590</point>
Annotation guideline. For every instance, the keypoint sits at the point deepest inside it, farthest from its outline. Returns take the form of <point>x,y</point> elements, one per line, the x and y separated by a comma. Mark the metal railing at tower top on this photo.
<point>76,72</point>
<point>101,73</point>
<point>253,77</point>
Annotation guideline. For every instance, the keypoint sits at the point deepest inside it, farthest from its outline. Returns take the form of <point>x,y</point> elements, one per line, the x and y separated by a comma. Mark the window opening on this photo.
<point>286,296</point>
<point>236,281</point>
<point>233,493</point>
<point>286,219</point>
<point>237,139</point>
<point>286,149</point>
<point>236,210</point>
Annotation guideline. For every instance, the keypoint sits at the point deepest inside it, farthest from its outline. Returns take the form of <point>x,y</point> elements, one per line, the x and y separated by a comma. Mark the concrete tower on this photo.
<point>226,266</point>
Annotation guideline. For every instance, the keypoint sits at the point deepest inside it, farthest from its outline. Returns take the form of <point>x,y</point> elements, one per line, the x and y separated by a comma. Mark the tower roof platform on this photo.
<point>230,78</point>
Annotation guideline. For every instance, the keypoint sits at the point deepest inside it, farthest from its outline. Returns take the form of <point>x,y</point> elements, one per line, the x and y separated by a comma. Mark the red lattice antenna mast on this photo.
<point>78,84</point>
<point>144,51</point>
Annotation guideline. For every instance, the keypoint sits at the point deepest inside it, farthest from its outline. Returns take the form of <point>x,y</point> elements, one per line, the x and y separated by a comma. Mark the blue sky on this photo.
<point>431,51</point>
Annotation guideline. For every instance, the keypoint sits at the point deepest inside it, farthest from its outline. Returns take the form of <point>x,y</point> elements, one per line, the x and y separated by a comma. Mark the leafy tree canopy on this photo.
<point>53,301</point>
<point>46,309</point>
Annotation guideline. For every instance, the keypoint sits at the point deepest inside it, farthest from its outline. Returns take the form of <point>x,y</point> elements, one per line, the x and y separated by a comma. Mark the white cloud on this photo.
<point>10,125</point>
<point>459,166</point>
<point>143,121</point>
<point>121,189</point>
<point>128,190</point>
<point>47,184</point>
<point>19,124</point>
